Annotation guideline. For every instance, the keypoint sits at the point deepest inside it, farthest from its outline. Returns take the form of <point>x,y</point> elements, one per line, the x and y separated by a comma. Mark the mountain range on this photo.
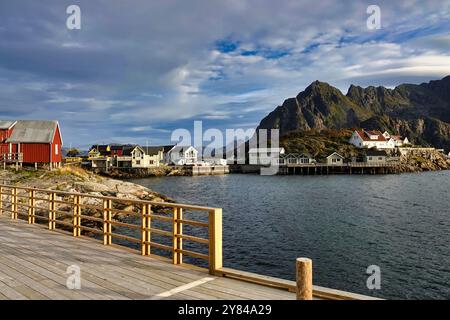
<point>419,112</point>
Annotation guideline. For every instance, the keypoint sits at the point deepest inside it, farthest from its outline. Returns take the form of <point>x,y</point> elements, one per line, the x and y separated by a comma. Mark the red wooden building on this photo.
<point>37,141</point>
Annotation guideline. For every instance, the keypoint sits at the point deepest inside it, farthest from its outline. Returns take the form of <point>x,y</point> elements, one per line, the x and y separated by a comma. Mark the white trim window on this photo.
<point>56,149</point>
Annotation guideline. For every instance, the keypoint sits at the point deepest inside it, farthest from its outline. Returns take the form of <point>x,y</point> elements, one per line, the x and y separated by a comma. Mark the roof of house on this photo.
<point>335,154</point>
<point>376,153</point>
<point>181,148</point>
<point>305,155</point>
<point>126,150</point>
<point>116,147</point>
<point>397,138</point>
<point>33,131</point>
<point>364,135</point>
<point>168,148</point>
<point>6,124</point>
<point>151,151</point>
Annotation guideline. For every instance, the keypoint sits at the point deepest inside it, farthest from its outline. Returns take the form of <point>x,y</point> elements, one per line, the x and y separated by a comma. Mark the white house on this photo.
<point>146,157</point>
<point>182,155</point>
<point>335,159</point>
<point>264,156</point>
<point>371,139</point>
<point>398,140</point>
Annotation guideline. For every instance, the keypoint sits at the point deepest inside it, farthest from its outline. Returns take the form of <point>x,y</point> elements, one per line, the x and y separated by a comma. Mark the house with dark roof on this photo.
<point>147,157</point>
<point>36,141</point>
<point>376,157</point>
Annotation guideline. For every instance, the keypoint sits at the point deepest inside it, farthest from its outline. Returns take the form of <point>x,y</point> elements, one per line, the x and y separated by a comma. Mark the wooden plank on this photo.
<point>46,268</point>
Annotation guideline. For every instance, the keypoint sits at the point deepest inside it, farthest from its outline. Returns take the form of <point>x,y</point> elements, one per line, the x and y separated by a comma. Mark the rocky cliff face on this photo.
<point>421,112</point>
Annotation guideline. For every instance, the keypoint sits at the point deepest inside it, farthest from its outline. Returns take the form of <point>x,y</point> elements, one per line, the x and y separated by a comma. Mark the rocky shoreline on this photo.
<point>422,161</point>
<point>162,171</point>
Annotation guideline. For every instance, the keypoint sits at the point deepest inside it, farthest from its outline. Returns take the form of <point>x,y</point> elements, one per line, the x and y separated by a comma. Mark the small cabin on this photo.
<point>376,157</point>
<point>335,159</point>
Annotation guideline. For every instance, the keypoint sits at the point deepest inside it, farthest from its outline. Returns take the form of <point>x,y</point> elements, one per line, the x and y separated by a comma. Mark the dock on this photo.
<point>34,263</point>
<point>346,168</point>
<point>42,254</point>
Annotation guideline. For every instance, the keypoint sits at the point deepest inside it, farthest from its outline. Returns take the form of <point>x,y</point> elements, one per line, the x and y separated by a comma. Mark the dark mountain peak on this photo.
<point>319,89</point>
<point>354,91</point>
<point>318,85</point>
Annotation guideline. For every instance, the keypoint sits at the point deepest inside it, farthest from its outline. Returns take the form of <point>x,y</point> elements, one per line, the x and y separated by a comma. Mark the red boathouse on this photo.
<point>37,141</point>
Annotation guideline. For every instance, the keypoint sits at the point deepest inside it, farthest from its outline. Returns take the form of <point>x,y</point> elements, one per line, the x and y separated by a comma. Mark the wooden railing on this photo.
<point>154,227</point>
<point>11,157</point>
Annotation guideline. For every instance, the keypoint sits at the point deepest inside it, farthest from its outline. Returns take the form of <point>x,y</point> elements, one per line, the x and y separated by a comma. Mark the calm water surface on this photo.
<point>344,223</point>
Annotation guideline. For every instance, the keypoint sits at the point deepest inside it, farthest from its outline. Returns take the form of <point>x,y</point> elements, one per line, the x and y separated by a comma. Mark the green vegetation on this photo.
<point>320,143</point>
<point>74,152</point>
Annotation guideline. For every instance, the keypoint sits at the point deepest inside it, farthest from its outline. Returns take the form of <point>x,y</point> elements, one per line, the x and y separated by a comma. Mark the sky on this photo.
<point>138,70</point>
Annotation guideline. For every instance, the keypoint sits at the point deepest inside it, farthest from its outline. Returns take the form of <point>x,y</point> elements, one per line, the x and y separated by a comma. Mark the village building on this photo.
<point>375,157</point>
<point>181,155</point>
<point>399,141</point>
<point>124,158</point>
<point>264,156</point>
<point>335,159</point>
<point>100,156</point>
<point>371,139</point>
<point>146,157</point>
<point>98,151</point>
<point>297,159</point>
<point>127,156</point>
<point>37,142</point>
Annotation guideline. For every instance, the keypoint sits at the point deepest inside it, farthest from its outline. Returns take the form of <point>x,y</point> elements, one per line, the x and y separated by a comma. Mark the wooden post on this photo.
<point>145,233</point>
<point>215,241</point>
<point>51,212</point>
<point>33,206</point>
<point>14,203</point>
<point>148,219</point>
<point>30,206</point>
<point>76,216</point>
<point>107,228</point>
<point>180,233</point>
<point>1,200</point>
<point>177,240</point>
<point>109,222</point>
<point>304,279</point>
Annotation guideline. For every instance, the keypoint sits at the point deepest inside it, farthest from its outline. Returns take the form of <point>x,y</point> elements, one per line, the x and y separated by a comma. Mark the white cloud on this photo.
<point>155,63</point>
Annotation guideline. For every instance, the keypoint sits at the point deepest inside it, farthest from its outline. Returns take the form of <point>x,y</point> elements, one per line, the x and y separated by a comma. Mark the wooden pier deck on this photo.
<point>34,262</point>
